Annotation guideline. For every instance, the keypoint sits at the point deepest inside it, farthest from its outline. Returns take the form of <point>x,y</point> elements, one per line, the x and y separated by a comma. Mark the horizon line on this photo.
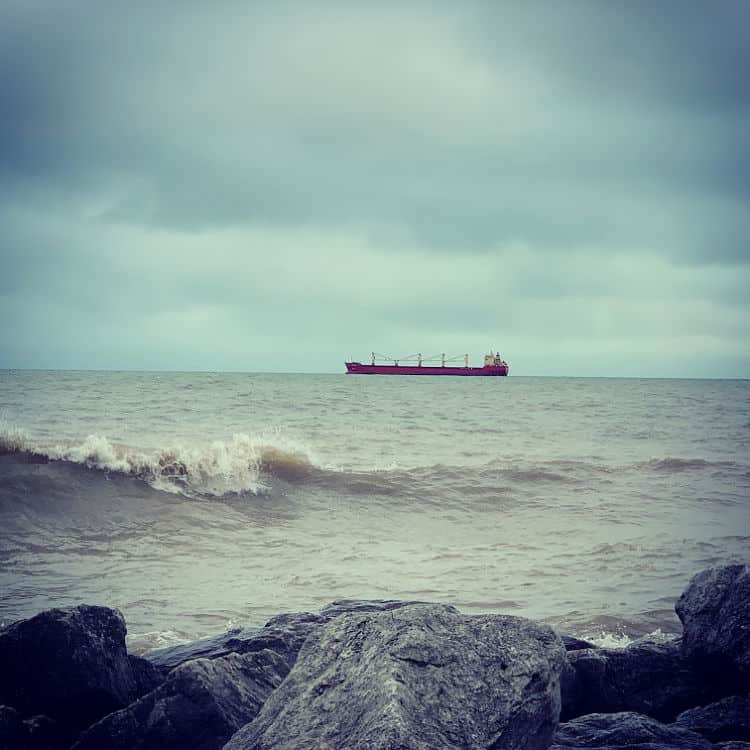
<point>328,372</point>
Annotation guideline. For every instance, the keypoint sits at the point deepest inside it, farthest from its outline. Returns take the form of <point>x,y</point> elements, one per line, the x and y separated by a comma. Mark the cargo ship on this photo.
<point>493,365</point>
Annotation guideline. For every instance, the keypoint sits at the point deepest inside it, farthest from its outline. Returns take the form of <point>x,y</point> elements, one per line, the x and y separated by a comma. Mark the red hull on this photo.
<point>357,368</point>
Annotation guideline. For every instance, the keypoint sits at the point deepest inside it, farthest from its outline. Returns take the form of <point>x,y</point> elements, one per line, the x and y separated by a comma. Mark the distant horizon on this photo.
<point>343,372</point>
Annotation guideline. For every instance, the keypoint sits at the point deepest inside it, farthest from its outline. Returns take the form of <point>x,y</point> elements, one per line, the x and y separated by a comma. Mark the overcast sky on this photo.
<point>280,186</point>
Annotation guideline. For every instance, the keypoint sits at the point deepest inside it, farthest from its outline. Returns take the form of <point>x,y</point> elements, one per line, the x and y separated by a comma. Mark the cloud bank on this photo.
<point>278,186</point>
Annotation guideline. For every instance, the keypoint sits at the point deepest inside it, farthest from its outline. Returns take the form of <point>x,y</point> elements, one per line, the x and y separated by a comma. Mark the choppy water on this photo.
<point>197,501</point>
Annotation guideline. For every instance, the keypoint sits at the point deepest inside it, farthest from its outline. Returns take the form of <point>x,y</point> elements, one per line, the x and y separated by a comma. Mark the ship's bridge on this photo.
<point>492,360</point>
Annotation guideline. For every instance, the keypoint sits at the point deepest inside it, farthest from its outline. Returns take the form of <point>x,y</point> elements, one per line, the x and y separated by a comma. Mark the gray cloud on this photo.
<point>572,177</point>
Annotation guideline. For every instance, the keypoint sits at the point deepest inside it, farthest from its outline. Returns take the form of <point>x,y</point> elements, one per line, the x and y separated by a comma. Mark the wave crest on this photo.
<point>220,468</point>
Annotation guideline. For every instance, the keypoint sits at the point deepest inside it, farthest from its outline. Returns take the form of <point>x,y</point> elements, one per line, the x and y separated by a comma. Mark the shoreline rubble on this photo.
<point>383,675</point>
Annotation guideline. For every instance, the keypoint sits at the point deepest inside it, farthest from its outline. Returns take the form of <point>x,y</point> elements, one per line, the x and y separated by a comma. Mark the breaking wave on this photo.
<point>235,466</point>
<point>255,463</point>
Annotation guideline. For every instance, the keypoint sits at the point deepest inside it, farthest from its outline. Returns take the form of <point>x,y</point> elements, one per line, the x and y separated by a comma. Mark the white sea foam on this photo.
<point>141,643</point>
<point>610,640</point>
<point>621,640</point>
<point>95,451</point>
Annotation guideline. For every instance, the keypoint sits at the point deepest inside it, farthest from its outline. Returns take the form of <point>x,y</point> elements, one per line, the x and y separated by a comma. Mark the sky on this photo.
<point>280,186</point>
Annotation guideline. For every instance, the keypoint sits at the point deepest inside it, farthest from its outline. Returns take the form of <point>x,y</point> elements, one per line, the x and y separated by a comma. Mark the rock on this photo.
<point>571,692</point>
<point>36,733</point>
<point>147,677</point>
<point>415,677</point>
<point>286,633</point>
<point>12,730</point>
<point>727,719</point>
<point>283,633</point>
<point>649,678</point>
<point>70,665</point>
<point>625,730</point>
<point>199,706</point>
<point>165,659</point>
<point>715,614</point>
<point>572,643</point>
<point>45,734</point>
<point>346,606</point>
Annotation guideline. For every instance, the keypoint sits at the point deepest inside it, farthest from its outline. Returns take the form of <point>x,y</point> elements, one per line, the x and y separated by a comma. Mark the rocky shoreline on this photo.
<point>383,675</point>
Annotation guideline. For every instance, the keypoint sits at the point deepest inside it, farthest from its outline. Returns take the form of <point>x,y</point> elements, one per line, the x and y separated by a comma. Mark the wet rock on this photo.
<point>727,719</point>
<point>421,676</point>
<point>283,634</point>
<point>572,643</point>
<point>198,707</point>
<point>165,659</point>
<point>69,664</point>
<point>715,614</point>
<point>625,730</point>
<point>649,678</point>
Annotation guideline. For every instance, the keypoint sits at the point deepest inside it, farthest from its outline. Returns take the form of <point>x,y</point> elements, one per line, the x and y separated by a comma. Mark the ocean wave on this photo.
<point>253,463</point>
<point>680,464</point>
<point>675,465</point>
<point>220,468</point>
<point>257,464</point>
<point>535,474</point>
<point>248,464</point>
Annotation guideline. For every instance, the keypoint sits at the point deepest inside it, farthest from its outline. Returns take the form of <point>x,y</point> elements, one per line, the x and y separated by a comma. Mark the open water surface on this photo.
<point>199,501</point>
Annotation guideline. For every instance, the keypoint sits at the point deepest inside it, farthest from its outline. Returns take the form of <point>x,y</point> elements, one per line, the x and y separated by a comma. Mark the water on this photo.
<point>198,501</point>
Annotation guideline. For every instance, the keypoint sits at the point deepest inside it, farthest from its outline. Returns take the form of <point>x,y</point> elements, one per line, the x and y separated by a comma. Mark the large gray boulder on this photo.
<point>70,665</point>
<point>727,719</point>
<point>649,678</point>
<point>198,707</point>
<point>416,678</point>
<point>626,730</point>
<point>715,614</point>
